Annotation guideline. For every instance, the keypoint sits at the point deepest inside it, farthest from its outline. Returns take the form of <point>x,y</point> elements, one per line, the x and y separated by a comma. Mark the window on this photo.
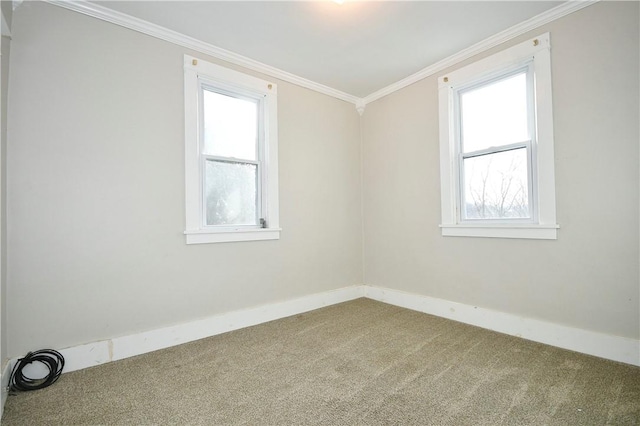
<point>496,146</point>
<point>231,169</point>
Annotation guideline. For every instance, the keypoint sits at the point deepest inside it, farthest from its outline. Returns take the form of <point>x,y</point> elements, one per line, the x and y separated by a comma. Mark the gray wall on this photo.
<point>96,191</point>
<point>588,278</point>
<point>5,45</point>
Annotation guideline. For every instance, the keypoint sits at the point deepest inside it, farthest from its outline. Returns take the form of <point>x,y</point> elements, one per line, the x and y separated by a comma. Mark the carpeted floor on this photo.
<point>357,363</point>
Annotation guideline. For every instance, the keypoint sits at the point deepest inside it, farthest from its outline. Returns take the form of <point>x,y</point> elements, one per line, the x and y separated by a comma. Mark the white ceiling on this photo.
<point>357,47</point>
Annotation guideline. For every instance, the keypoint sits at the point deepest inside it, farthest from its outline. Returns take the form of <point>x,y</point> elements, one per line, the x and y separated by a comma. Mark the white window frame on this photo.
<point>542,224</point>
<point>199,74</point>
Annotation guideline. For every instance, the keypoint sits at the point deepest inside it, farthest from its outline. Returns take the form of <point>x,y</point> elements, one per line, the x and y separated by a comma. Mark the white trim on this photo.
<point>602,345</point>
<point>127,21</point>
<point>4,384</point>
<point>179,39</point>
<point>550,15</point>
<point>205,237</point>
<point>87,355</point>
<point>529,231</point>
<point>96,353</point>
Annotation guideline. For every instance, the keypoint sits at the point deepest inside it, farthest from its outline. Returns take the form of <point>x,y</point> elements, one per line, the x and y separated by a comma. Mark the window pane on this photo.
<point>496,186</point>
<point>495,114</point>
<point>231,193</point>
<point>230,126</point>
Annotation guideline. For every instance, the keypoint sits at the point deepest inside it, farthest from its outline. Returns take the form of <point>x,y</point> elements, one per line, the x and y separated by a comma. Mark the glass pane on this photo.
<point>230,126</point>
<point>231,193</point>
<point>495,114</point>
<point>496,186</point>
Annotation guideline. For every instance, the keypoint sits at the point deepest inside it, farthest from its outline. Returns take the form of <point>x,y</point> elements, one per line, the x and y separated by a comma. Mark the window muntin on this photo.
<point>494,118</point>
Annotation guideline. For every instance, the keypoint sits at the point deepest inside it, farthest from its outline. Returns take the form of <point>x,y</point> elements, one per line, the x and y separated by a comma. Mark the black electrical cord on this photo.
<point>53,360</point>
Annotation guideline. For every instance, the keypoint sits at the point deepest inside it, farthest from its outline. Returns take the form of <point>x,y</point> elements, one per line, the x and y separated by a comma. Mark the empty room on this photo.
<point>320,212</point>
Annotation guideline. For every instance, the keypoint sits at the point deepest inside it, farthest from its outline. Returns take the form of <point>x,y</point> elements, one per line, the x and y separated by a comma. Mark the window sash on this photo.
<point>464,198</point>
<point>529,144</point>
<point>245,95</point>
<point>259,197</point>
<point>488,80</point>
<point>261,175</point>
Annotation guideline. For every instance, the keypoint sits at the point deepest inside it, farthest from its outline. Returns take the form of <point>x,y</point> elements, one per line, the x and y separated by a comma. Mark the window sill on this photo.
<point>525,231</point>
<point>231,235</point>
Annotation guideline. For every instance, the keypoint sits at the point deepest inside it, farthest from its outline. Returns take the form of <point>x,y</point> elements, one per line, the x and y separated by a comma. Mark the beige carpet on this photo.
<point>357,363</point>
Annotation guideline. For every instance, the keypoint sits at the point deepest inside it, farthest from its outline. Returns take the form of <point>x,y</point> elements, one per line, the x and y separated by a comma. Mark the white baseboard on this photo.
<point>4,383</point>
<point>91,354</point>
<point>588,342</point>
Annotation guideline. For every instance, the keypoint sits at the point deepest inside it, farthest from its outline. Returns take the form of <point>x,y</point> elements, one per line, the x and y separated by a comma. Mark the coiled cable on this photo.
<point>53,360</point>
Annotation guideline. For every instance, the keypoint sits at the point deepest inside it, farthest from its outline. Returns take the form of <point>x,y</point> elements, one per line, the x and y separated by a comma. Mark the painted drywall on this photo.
<point>588,277</point>
<point>96,191</point>
<point>4,75</point>
<point>5,45</point>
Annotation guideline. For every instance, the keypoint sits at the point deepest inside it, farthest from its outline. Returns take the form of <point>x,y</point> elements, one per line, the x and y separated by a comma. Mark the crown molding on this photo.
<point>486,44</point>
<point>162,33</point>
<point>142,26</point>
